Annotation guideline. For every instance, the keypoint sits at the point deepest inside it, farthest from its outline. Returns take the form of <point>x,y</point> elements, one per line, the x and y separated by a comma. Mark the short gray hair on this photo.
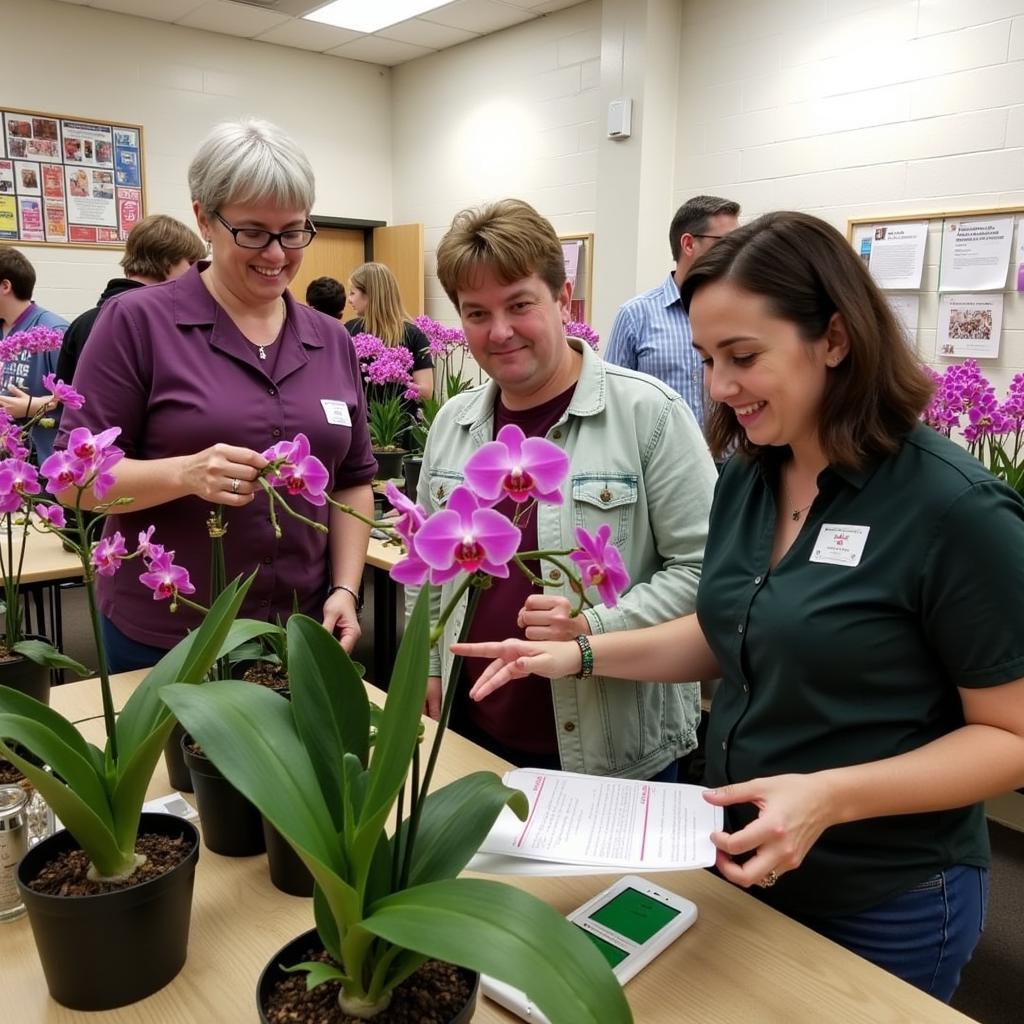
<point>250,161</point>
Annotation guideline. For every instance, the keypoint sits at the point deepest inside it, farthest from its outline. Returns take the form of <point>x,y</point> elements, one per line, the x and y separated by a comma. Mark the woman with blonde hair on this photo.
<point>374,297</point>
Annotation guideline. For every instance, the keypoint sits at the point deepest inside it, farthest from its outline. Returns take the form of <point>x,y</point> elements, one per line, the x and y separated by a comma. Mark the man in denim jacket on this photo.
<point>638,463</point>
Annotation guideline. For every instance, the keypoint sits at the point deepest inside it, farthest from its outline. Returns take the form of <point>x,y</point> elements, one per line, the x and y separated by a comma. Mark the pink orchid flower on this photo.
<point>518,467</point>
<point>52,515</point>
<point>108,554</point>
<point>281,450</point>
<point>304,473</point>
<point>165,578</point>
<point>410,570</point>
<point>64,393</point>
<point>17,479</point>
<point>84,444</point>
<point>147,549</point>
<point>63,470</point>
<point>466,537</point>
<point>600,564</point>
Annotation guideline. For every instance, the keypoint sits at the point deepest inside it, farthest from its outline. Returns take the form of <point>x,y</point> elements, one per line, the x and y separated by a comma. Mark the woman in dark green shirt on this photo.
<point>862,598</point>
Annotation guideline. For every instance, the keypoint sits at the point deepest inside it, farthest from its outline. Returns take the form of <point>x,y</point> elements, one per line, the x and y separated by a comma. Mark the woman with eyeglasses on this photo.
<point>204,373</point>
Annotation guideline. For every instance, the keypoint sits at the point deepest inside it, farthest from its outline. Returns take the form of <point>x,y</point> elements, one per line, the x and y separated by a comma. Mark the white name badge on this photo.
<point>336,412</point>
<point>840,545</point>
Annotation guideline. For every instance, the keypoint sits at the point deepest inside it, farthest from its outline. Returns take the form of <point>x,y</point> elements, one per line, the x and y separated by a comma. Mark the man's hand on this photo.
<point>546,617</point>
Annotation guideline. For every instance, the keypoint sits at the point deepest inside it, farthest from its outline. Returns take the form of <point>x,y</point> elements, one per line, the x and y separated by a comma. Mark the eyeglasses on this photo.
<point>698,235</point>
<point>260,238</point>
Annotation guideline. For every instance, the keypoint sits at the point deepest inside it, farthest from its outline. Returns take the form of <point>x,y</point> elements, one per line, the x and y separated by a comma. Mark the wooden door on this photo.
<point>400,247</point>
<point>335,252</point>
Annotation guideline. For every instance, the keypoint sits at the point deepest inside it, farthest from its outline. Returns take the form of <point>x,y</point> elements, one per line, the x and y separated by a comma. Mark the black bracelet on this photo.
<point>586,657</point>
<point>348,590</point>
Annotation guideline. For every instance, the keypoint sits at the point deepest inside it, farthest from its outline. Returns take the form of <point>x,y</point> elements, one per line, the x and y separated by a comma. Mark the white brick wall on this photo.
<point>851,108</point>
<point>177,83</point>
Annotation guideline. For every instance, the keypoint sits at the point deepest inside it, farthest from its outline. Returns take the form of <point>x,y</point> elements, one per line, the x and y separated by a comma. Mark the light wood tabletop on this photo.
<point>740,962</point>
<point>46,561</point>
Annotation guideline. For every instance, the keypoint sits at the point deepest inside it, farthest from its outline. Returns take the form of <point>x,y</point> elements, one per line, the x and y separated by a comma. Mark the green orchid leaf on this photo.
<point>326,926</point>
<point>455,821</point>
<point>329,705</point>
<point>79,818</point>
<point>356,781</point>
<point>187,662</point>
<point>15,702</point>
<point>244,630</point>
<point>378,880</point>
<point>397,735</point>
<point>509,935</point>
<point>46,654</point>
<point>316,973</point>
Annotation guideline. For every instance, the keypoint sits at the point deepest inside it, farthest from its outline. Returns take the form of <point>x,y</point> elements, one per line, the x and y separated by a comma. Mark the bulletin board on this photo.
<point>578,252</point>
<point>68,180</point>
<point>954,278</point>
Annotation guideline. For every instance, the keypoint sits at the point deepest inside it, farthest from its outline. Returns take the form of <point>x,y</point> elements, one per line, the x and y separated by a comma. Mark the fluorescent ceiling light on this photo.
<point>371,15</point>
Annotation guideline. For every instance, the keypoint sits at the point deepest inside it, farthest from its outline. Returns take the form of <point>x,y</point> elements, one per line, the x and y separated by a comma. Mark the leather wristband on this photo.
<point>348,590</point>
<point>586,657</point>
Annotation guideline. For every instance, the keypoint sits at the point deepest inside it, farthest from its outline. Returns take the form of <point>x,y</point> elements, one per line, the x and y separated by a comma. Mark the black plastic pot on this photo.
<point>177,771</point>
<point>231,825</point>
<point>287,871</point>
<point>296,950</point>
<point>411,466</point>
<point>24,675</point>
<point>114,948</point>
<point>389,463</point>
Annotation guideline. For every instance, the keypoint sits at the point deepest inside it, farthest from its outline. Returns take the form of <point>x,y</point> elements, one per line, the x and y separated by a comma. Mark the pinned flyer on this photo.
<point>975,253</point>
<point>969,325</point>
<point>592,824</point>
<point>896,257</point>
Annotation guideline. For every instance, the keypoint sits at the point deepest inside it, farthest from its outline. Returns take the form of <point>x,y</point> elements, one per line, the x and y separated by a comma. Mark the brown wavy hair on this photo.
<point>807,272</point>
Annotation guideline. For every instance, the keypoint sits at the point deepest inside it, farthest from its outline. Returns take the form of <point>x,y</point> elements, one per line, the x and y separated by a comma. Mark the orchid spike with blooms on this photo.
<point>600,563</point>
<point>517,467</point>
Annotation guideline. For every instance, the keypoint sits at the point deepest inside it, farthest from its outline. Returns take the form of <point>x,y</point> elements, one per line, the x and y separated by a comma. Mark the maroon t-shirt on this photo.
<point>169,367</point>
<point>520,715</point>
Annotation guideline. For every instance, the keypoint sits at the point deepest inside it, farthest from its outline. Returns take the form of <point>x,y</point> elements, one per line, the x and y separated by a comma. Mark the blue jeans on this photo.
<point>125,654</point>
<point>925,935</point>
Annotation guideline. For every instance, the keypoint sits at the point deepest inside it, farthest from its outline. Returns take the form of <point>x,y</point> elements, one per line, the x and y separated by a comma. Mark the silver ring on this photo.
<point>235,483</point>
<point>769,880</point>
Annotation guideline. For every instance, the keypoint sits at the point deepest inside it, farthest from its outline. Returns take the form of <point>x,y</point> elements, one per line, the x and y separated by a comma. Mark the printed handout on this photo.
<point>896,258</point>
<point>969,325</point>
<point>975,253</point>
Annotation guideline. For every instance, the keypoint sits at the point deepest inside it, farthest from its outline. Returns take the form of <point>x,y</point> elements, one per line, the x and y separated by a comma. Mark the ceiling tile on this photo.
<point>232,19</point>
<point>549,6</point>
<point>376,50</point>
<point>426,33</point>
<point>308,35</point>
<point>160,10</point>
<point>478,15</point>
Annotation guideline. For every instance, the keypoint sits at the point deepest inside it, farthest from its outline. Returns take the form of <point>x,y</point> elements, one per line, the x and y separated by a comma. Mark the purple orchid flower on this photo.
<point>17,479</point>
<point>600,564</point>
<point>166,579</point>
<point>466,537</point>
<point>62,470</point>
<point>64,393</point>
<point>52,515</point>
<point>518,467</point>
<point>147,549</point>
<point>108,554</point>
<point>304,473</point>
<point>411,570</point>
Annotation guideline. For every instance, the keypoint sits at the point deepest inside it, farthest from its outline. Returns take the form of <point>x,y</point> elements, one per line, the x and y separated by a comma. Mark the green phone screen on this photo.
<point>611,953</point>
<point>634,915</point>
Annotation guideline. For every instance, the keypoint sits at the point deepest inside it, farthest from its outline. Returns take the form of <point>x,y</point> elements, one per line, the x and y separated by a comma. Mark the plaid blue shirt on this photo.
<point>652,334</point>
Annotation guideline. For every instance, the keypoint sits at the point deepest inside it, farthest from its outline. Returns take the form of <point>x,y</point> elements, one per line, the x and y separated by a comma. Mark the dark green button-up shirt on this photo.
<point>828,664</point>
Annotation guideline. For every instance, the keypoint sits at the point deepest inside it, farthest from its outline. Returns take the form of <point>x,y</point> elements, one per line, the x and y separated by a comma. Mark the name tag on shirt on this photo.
<point>336,412</point>
<point>840,545</point>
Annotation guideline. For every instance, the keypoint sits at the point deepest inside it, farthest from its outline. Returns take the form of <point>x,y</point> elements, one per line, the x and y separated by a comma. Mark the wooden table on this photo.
<point>741,961</point>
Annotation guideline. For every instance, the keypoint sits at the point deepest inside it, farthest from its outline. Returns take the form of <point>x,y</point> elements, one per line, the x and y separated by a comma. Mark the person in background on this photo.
<point>652,332</point>
<point>21,384</point>
<point>374,298</point>
<point>637,463</point>
<point>204,373</point>
<point>858,602</point>
<point>327,295</point>
<point>159,248</point>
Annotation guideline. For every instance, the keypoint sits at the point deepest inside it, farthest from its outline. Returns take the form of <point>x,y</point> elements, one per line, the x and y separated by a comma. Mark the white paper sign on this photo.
<point>907,309</point>
<point>336,412</point>
<point>840,544</point>
<point>897,254</point>
<point>975,253</point>
<point>969,325</point>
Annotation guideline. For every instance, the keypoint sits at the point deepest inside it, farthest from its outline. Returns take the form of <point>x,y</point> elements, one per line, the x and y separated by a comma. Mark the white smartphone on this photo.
<point>630,922</point>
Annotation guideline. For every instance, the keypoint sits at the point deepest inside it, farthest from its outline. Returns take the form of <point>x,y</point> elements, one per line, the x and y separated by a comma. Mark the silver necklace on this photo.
<point>284,314</point>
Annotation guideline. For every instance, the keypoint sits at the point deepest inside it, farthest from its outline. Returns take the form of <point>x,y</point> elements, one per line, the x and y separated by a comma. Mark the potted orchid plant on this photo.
<point>329,778</point>
<point>965,402</point>
<point>448,349</point>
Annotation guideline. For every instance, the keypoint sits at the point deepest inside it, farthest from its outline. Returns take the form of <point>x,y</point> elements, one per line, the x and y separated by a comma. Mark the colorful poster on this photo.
<point>975,253</point>
<point>30,213</point>
<point>27,177</point>
<point>129,209</point>
<point>896,259</point>
<point>6,177</point>
<point>127,167</point>
<point>56,220</point>
<point>53,182</point>
<point>91,196</point>
<point>969,325</point>
<point>8,217</point>
<point>78,233</point>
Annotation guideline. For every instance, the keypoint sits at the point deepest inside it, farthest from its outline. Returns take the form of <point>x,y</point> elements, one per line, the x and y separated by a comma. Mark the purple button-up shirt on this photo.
<point>168,366</point>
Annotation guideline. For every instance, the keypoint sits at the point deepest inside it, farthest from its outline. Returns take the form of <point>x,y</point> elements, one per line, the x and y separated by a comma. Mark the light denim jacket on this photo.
<point>638,462</point>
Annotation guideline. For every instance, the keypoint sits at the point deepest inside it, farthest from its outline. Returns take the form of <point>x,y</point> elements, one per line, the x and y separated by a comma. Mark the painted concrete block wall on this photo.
<point>853,108</point>
<point>512,114</point>
<point>177,83</point>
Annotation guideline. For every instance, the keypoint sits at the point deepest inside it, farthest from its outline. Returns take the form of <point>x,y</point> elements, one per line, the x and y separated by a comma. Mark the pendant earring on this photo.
<point>209,247</point>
